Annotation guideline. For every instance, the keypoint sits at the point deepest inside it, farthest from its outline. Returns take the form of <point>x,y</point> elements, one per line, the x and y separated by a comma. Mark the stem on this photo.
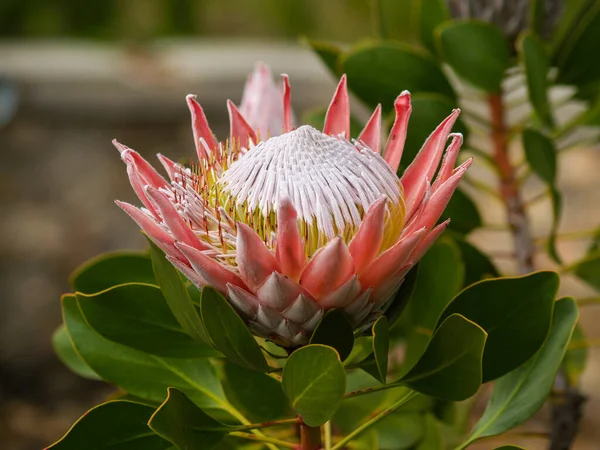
<point>380,387</point>
<point>566,411</point>
<point>588,301</point>
<point>327,429</point>
<point>272,423</point>
<point>405,399</point>
<point>310,437</point>
<point>265,439</point>
<point>517,219</point>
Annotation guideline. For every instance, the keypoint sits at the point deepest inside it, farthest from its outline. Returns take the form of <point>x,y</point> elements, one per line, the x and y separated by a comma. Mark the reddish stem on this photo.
<point>509,189</point>
<point>310,437</point>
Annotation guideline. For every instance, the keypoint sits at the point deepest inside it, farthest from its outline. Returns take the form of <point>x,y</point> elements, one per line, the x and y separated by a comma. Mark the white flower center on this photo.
<point>330,181</point>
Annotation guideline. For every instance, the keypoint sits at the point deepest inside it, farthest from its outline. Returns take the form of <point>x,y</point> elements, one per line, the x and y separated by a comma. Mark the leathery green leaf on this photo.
<point>111,269</point>
<point>141,374</point>
<point>63,347</point>
<point>259,396</point>
<point>470,43</point>
<point>314,381</point>
<point>138,316</point>
<point>521,393</point>
<point>229,333</point>
<point>176,294</point>
<point>381,347</point>
<point>537,65</point>
<point>114,425</point>
<point>379,71</point>
<point>182,423</point>
<point>515,312</point>
<point>440,276</point>
<point>335,330</point>
<point>450,368</point>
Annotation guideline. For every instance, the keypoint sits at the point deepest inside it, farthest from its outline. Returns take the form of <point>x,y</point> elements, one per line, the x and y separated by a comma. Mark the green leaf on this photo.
<point>328,53</point>
<point>381,347</point>
<point>541,157</point>
<point>259,396</point>
<point>137,315</point>
<point>433,439</point>
<point>588,269</point>
<point>537,65</point>
<point>379,71</point>
<point>111,269</point>
<point>540,154</point>
<point>515,312</point>
<point>314,381</point>
<point>428,111</point>
<point>568,23</point>
<point>463,213</point>
<point>575,359</point>
<point>478,265</point>
<point>63,347</point>
<point>141,374</point>
<point>574,63</point>
<point>556,199</point>
<point>477,51</point>
<point>431,13</point>
<point>400,431</point>
<point>176,294</point>
<point>229,333</point>
<point>363,348</point>
<point>441,272</point>
<point>450,368</point>
<point>402,297</point>
<point>354,411</point>
<point>115,425</point>
<point>335,331</point>
<point>521,393</point>
<point>181,422</point>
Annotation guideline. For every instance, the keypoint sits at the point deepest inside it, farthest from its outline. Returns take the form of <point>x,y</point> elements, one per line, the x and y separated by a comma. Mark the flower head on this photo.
<point>290,226</point>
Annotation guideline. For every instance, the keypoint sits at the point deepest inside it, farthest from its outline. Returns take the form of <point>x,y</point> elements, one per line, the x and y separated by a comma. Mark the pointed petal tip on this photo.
<point>120,147</point>
<point>403,100</point>
<point>337,118</point>
<point>456,135</point>
<point>464,166</point>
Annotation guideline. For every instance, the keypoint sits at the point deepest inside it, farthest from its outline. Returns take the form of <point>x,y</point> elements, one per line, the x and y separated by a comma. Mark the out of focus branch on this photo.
<point>509,189</point>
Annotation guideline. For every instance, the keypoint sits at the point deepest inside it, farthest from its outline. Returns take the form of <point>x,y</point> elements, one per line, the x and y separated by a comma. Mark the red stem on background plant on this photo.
<point>310,437</point>
<point>509,189</point>
<point>567,407</point>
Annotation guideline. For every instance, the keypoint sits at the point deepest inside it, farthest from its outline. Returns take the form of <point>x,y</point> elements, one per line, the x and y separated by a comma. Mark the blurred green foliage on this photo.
<point>144,19</point>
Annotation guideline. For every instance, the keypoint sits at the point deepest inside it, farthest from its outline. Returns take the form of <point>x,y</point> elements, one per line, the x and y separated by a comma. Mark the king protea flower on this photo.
<point>289,226</point>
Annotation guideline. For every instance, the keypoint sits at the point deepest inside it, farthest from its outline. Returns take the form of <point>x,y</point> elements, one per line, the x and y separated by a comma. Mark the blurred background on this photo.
<point>74,75</point>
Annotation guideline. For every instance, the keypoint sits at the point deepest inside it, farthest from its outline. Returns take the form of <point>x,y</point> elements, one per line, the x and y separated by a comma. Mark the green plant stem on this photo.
<point>265,439</point>
<point>272,423</point>
<point>539,197</point>
<point>584,343</point>
<point>327,432</point>
<point>572,235</point>
<point>405,399</point>
<point>588,301</point>
<point>481,186</point>
<point>365,391</point>
<point>310,437</point>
